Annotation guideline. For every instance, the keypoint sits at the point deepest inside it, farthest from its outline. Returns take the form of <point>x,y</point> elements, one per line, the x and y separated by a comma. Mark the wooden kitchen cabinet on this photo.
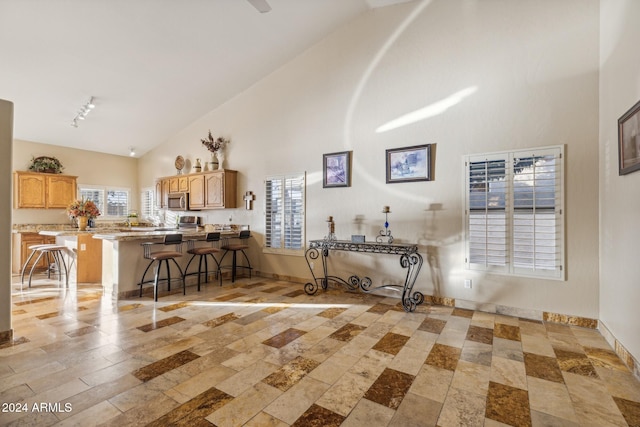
<point>183,184</point>
<point>196,191</point>
<point>179,184</point>
<point>43,190</point>
<point>220,189</point>
<point>61,191</point>
<point>159,197</point>
<point>162,190</point>
<point>207,190</point>
<point>20,252</point>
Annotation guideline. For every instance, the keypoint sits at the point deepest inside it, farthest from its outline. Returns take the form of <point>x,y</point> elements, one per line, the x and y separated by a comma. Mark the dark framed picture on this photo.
<point>629,140</point>
<point>409,164</point>
<point>336,169</point>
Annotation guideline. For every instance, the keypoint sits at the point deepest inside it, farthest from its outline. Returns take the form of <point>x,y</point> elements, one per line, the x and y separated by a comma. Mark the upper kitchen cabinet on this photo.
<point>178,184</point>
<point>43,190</point>
<point>207,190</point>
<point>220,189</point>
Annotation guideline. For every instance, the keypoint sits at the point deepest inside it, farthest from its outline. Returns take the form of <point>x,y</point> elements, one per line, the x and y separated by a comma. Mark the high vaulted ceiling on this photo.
<point>152,66</point>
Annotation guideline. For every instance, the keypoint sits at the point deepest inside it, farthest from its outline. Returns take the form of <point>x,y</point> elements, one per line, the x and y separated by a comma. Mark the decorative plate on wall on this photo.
<point>179,163</point>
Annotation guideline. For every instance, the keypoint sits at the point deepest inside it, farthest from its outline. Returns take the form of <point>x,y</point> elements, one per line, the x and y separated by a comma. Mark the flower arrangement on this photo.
<point>82,207</point>
<point>215,144</point>
<point>46,164</point>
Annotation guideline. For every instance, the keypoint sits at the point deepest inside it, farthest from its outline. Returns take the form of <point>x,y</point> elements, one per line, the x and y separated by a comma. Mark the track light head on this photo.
<point>82,113</point>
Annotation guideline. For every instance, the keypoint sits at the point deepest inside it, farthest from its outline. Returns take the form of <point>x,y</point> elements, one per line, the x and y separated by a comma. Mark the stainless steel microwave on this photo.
<point>178,201</point>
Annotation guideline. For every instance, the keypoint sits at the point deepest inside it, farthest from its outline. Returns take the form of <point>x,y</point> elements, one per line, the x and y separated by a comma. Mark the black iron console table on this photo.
<point>409,259</point>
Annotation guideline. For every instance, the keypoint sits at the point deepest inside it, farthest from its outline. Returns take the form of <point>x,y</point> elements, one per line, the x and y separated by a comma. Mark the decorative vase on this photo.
<point>83,221</point>
<point>220,156</point>
<point>198,166</point>
<point>213,164</point>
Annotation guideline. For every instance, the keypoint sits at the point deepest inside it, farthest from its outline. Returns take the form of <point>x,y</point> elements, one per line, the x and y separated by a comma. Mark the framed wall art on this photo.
<point>409,164</point>
<point>336,169</point>
<point>629,140</point>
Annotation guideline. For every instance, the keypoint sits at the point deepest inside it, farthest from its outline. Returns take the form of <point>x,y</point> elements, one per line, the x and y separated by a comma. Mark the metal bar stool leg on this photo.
<point>34,266</point>
<point>26,263</point>
<point>155,281</point>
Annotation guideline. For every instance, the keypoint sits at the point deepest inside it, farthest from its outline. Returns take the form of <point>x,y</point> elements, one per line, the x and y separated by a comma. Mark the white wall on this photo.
<point>90,167</point>
<point>535,74</point>
<point>6,136</point>
<point>619,195</point>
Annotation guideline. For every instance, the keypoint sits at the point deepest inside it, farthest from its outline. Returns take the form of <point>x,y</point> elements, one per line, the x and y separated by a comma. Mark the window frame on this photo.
<point>513,214</point>
<point>282,250</point>
<point>105,190</point>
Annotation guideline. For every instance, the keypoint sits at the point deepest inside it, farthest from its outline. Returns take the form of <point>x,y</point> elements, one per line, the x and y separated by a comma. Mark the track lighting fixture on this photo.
<point>82,113</point>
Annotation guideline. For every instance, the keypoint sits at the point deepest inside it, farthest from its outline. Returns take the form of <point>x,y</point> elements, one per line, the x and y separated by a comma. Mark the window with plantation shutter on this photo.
<point>112,202</point>
<point>284,214</point>
<point>514,212</point>
<point>96,195</point>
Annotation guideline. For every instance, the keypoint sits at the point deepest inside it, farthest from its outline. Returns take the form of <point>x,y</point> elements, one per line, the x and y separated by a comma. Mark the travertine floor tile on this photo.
<point>262,353</point>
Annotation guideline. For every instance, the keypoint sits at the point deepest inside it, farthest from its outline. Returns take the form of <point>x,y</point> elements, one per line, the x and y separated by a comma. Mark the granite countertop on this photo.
<point>37,228</point>
<point>145,235</point>
<point>136,233</point>
<point>123,233</point>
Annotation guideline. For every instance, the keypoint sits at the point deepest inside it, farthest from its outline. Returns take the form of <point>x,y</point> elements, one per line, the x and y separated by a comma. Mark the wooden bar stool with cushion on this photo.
<point>50,251</point>
<point>235,248</point>
<point>202,251</point>
<point>160,257</point>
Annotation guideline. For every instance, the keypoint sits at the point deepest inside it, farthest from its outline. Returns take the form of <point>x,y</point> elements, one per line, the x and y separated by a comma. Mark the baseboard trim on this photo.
<point>622,352</point>
<point>6,336</point>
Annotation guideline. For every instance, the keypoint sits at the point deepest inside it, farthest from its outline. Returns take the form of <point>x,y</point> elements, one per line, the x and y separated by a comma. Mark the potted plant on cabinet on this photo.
<point>46,164</point>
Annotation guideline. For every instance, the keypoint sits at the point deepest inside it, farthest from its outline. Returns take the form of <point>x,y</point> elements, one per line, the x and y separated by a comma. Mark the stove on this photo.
<point>189,222</point>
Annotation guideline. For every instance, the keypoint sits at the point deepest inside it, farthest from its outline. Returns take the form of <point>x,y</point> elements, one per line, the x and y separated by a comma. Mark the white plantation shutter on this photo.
<point>487,218</point>
<point>294,212</point>
<point>284,214</point>
<point>117,202</point>
<point>273,223</point>
<point>514,212</point>
<point>147,202</point>
<point>112,202</point>
<point>96,195</point>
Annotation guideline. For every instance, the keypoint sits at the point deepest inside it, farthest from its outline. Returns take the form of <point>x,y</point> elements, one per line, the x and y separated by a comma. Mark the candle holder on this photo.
<point>331,230</point>
<point>385,235</point>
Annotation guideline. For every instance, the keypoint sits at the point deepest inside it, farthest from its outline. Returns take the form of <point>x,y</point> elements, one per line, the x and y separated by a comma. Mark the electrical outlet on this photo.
<point>83,247</point>
<point>467,283</point>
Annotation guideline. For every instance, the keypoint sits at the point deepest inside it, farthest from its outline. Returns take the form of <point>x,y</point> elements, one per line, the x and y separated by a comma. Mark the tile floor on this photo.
<point>262,353</point>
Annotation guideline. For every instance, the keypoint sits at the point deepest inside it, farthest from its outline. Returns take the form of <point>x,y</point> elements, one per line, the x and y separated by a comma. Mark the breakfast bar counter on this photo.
<point>115,256</point>
<point>123,261</point>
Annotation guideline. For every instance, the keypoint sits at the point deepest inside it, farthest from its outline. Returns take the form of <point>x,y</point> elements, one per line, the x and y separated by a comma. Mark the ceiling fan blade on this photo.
<point>261,5</point>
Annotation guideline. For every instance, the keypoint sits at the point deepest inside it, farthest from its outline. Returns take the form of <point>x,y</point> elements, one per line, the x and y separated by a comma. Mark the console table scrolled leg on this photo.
<point>311,288</point>
<point>413,264</point>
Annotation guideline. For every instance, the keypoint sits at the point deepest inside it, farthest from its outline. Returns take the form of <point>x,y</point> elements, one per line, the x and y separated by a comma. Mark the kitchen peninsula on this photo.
<point>122,257</point>
<point>87,252</point>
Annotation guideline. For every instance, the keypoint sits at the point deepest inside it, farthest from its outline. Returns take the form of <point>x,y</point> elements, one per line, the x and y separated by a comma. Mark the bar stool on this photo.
<point>160,257</point>
<point>50,251</point>
<point>240,246</point>
<point>33,248</point>
<point>213,238</point>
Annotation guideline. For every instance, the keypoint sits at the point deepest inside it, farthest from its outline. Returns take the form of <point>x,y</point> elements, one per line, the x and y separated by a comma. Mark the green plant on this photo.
<point>46,164</point>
